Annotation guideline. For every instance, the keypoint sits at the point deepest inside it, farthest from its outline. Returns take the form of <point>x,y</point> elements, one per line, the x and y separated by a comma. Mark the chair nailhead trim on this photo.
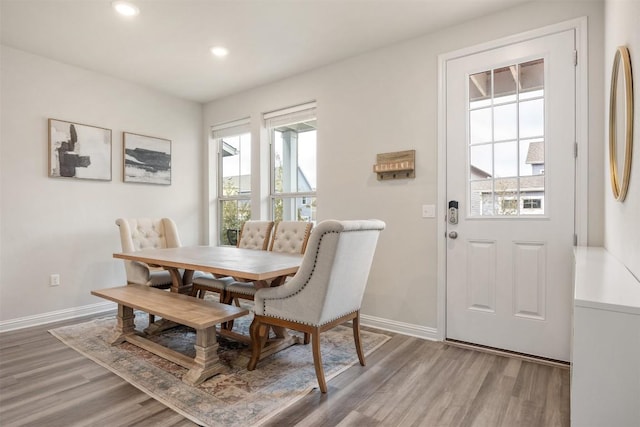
<point>313,269</point>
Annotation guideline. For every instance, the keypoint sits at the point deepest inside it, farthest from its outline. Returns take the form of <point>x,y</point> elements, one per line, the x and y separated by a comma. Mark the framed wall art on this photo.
<point>147,159</point>
<point>79,151</point>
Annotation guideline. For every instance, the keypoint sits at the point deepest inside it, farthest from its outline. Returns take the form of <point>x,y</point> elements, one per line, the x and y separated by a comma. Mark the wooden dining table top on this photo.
<point>249,264</point>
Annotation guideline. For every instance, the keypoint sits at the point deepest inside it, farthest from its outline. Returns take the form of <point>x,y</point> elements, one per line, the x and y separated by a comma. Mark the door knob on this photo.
<point>453,234</point>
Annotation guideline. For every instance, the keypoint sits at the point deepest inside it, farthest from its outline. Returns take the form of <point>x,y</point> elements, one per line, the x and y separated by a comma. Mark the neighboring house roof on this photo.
<point>476,172</point>
<point>535,154</point>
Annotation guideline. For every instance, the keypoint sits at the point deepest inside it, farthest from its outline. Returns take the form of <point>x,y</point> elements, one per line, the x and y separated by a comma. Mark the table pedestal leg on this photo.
<point>206,362</point>
<point>125,325</point>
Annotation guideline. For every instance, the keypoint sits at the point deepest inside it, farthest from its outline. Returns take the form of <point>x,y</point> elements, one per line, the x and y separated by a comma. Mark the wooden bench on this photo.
<point>199,314</point>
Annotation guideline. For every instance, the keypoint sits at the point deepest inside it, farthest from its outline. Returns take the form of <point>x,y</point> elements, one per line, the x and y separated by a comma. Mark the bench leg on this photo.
<point>206,362</point>
<point>125,325</point>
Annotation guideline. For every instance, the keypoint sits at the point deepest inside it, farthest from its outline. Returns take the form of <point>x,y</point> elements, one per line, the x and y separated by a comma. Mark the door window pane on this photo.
<point>481,161</point>
<point>480,90</point>
<point>480,126</point>
<point>481,196</point>
<point>532,157</point>
<point>506,159</point>
<point>532,118</point>
<point>504,85</point>
<point>506,140</point>
<point>505,121</point>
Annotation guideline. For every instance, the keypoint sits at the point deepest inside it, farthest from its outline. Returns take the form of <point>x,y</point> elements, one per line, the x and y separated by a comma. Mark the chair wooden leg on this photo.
<point>258,332</point>
<point>317,359</point>
<point>152,319</point>
<point>225,298</point>
<point>307,338</point>
<point>356,338</point>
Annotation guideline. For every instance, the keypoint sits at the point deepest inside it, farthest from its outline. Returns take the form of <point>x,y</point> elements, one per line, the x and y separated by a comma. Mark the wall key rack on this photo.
<point>396,165</point>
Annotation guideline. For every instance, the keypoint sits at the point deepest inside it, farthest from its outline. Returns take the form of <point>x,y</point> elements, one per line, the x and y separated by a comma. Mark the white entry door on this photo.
<point>510,126</point>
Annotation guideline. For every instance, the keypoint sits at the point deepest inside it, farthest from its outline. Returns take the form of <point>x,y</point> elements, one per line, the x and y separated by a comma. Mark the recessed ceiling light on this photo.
<point>219,51</point>
<point>125,8</point>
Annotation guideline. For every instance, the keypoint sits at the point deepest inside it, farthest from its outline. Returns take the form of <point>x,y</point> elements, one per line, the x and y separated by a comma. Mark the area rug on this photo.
<point>236,398</point>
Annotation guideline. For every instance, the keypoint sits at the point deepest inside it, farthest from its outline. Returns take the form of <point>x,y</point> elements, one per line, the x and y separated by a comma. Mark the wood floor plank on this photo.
<point>406,382</point>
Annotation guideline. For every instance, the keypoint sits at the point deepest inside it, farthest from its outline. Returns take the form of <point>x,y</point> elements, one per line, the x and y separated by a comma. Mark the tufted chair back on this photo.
<point>255,235</point>
<point>332,277</point>
<point>290,237</point>
<point>147,233</point>
<point>326,291</point>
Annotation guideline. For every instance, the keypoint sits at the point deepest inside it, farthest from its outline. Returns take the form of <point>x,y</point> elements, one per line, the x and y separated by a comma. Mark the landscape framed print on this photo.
<point>79,151</point>
<point>147,159</point>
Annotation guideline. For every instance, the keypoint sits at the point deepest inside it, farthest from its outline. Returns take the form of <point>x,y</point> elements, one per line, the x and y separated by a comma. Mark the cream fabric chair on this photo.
<point>253,235</point>
<point>147,233</point>
<point>288,237</point>
<point>326,291</point>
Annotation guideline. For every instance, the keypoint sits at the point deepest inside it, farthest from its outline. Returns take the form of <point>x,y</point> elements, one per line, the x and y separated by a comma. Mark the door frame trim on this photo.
<point>579,25</point>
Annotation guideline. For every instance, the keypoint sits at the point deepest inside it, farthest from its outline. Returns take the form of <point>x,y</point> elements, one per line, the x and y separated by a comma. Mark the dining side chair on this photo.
<point>288,237</point>
<point>326,291</point>
<point>253,235</point>
<point>147,233</point>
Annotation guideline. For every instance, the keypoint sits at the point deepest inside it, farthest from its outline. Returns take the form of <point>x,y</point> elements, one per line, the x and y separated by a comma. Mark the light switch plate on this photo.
<point>428,211</point>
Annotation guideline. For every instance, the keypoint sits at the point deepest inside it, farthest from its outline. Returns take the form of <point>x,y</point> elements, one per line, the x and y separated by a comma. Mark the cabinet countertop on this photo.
<point>603,282</point>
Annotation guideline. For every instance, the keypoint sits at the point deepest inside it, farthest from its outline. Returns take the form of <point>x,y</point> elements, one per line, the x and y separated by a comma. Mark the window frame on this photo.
<point>236,128</point>
<point>298,114</point>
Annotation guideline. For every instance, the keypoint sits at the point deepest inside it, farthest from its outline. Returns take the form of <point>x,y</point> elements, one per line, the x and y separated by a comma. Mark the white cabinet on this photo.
<point>605,371</point>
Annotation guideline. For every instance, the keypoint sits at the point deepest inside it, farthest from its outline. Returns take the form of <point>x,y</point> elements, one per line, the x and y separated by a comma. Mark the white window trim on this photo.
<point>219,131</point>
<point>283,117</point>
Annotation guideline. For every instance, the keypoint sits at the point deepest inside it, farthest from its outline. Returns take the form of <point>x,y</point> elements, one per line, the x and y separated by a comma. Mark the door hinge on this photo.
<point>575,150</point>
<point>575,58</point>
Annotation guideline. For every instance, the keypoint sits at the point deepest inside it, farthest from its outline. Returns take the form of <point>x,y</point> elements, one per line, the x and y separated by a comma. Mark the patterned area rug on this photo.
<point>237,398</point>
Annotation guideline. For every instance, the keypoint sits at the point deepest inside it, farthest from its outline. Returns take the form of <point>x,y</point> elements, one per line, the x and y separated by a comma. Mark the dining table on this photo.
<point>263,268</point>
<point>258,266</point>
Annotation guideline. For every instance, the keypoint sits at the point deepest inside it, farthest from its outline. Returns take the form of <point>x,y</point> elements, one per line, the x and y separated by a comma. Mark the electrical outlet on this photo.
<point>54,280</point>
<point>428,211</point>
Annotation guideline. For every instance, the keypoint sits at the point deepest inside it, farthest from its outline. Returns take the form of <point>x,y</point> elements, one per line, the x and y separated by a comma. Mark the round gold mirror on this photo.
<point>620,123</point>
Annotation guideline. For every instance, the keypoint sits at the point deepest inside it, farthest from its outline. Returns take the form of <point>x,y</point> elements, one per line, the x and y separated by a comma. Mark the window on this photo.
<point>233,145</point>
<point>293,135</point>
<point>531,204</point>
<point>506,140</point>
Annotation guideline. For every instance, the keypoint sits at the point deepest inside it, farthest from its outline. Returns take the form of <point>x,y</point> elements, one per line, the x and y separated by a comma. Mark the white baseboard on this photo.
<point>102,307</point>
<point>55,316</point>
<point>400,327</point>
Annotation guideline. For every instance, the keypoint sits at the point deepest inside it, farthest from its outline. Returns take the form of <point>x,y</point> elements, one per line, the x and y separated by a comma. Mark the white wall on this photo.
<point>385,101</point>
<point>622,220</point>
<point>66,226</point>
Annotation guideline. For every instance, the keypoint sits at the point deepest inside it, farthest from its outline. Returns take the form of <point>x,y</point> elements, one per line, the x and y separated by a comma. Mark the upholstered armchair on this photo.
<point>147,233</point>
<point>288,237</point>
<point>326,291</point>
<point>253,235</point>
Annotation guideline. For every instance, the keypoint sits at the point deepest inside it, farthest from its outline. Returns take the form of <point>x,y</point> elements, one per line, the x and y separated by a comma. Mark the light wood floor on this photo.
<point>407,382</point>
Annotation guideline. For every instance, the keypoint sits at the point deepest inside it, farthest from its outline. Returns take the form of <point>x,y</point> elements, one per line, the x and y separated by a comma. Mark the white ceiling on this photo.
<point>166,46</point>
